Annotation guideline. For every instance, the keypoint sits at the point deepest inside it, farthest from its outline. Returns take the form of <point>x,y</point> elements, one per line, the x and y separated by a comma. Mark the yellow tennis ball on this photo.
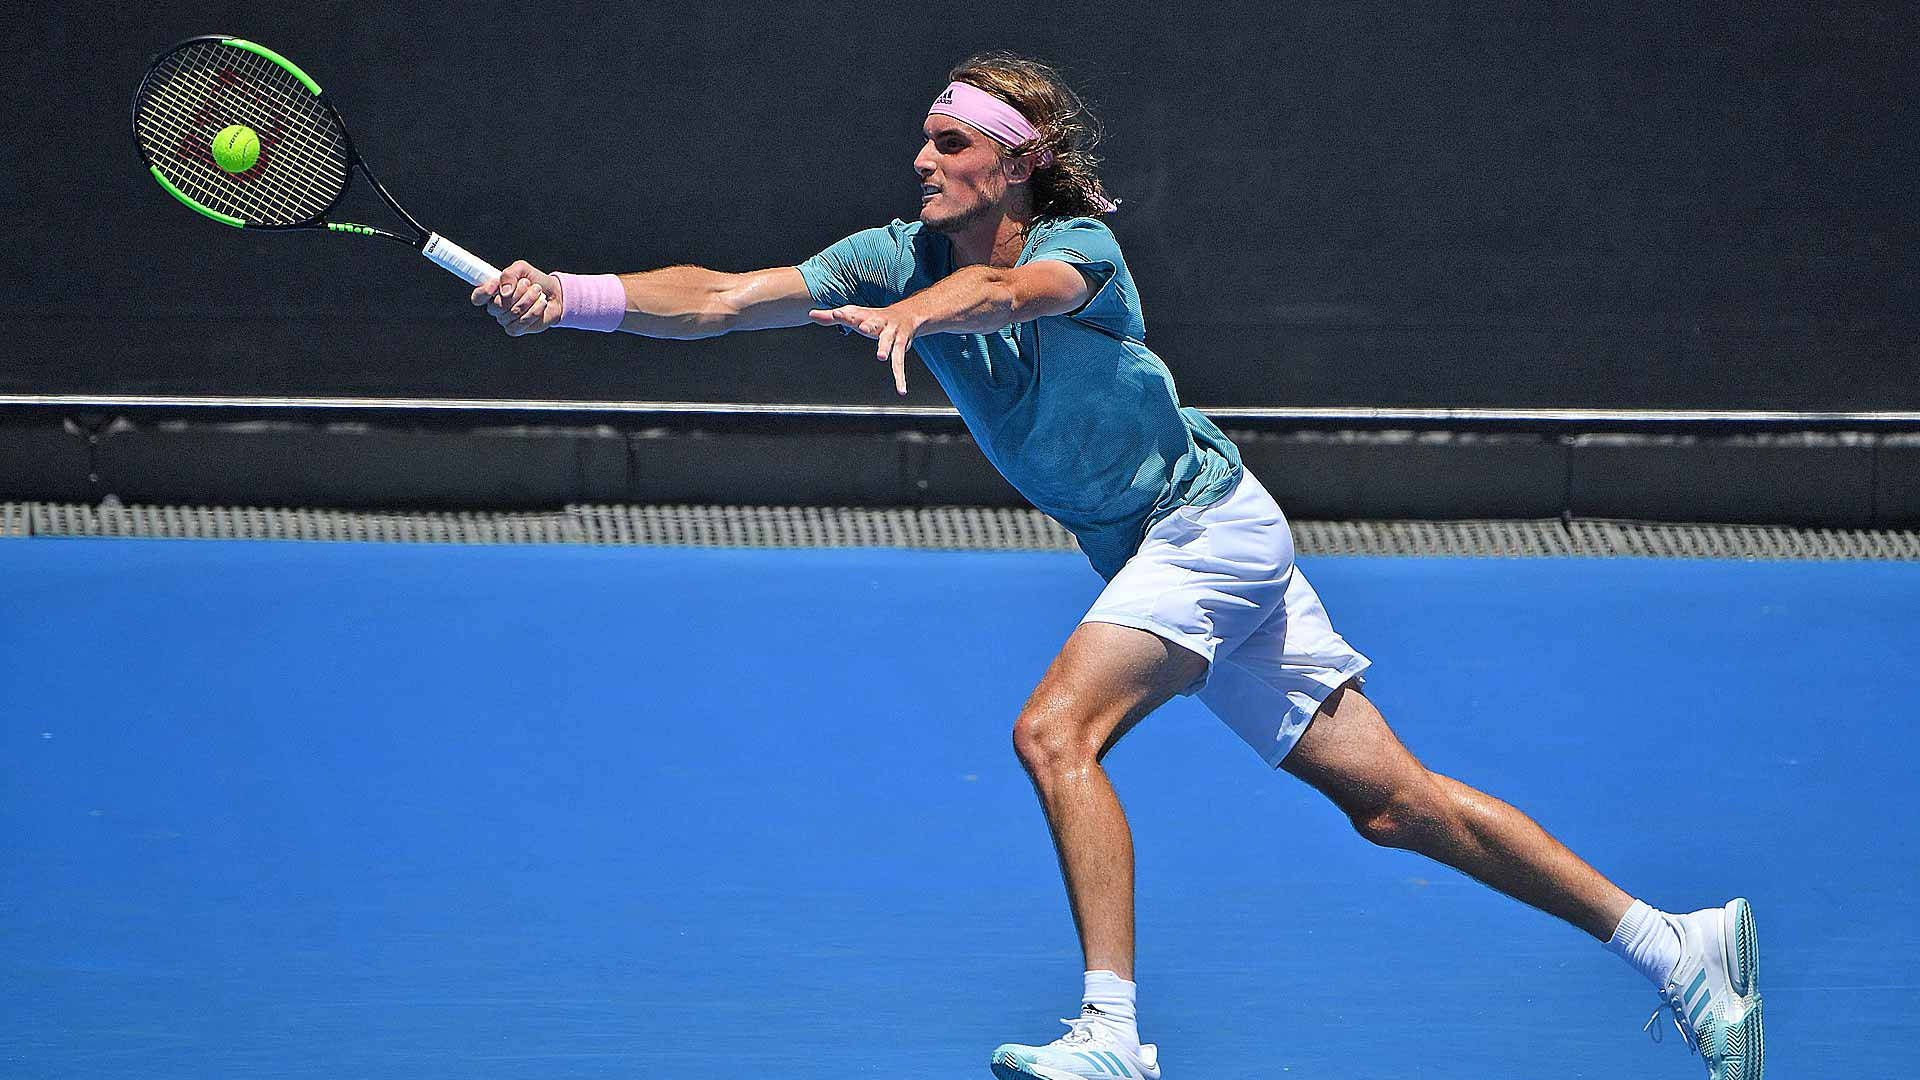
<point>236,148</point>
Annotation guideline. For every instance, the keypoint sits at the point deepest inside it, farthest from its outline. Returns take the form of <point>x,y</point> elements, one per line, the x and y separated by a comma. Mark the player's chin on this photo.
<point>941,219</point>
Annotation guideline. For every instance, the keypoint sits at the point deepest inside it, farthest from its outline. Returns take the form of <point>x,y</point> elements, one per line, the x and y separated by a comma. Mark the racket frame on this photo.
<point>435,247</point>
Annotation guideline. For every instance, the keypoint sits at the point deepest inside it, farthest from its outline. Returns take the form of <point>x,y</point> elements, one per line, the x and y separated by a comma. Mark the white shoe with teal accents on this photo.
<point>1714,991</point>
<point>1090,1050</point>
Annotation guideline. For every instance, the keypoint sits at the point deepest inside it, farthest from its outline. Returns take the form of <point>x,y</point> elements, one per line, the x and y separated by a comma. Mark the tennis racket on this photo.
<point>207,88</point>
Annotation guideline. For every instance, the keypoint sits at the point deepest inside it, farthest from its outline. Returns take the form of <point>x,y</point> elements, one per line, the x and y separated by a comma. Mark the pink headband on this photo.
<point>996,119</point>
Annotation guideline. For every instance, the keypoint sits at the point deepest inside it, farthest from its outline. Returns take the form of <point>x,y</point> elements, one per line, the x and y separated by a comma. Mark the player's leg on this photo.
<point>1705,964</point>
<point>1103,682</point>
<point>1350,755</point>
<point>1202,580</point>
<point>1288,690</point>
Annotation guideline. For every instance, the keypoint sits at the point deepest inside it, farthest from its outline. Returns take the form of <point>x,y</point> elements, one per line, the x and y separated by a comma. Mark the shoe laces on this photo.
<point>1079,1030</point>
<point>1676,1009</point>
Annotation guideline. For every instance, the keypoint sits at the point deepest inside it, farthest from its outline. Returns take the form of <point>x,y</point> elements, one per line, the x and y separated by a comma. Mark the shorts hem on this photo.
<point>1163,631</point>
<point>1341,676</point>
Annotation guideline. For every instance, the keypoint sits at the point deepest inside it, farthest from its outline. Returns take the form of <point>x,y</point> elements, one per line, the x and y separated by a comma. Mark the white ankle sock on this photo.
<point>1647,942</point>
<point>1113,997</point>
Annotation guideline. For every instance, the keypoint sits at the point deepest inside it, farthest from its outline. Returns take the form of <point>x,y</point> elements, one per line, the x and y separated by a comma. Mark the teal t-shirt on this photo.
<point>1074,410</point>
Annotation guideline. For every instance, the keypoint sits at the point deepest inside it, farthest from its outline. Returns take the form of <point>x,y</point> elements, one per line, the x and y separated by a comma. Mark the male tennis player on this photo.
<point>1008,264</point>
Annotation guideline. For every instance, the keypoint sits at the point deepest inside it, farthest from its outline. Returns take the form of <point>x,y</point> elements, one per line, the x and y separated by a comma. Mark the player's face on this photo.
<point>962,175</point>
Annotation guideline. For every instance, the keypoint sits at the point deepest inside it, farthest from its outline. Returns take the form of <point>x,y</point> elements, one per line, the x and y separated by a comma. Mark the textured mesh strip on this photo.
<point>945,528</point>
<point>204,86</point>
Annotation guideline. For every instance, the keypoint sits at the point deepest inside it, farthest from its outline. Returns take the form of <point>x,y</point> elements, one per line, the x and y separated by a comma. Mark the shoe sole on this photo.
<point>1014,1072</point>
<point>1743,944</point>
<point>1746,1047</point>
<point>1745,1041</point>
<point>1007,1067</point>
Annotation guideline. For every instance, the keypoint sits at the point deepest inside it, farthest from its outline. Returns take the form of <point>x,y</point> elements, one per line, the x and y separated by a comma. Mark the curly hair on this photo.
<point>1069,185</point>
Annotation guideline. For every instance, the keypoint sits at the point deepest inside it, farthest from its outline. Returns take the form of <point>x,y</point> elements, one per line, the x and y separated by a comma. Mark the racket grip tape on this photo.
<point>458,260</point>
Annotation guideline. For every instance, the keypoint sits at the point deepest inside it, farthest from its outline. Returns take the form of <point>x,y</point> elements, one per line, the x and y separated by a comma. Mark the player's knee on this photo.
<point>1408,817</point>
<point>1050,740</point>
<point>1043,745</point>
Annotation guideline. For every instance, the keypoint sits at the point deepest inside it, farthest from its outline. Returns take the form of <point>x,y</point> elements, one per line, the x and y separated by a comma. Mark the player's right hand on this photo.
<point>522,300</point>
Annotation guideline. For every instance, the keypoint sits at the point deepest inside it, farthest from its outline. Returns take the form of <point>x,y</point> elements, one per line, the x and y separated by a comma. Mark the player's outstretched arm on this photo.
<point>974,300</point>
<point>677,302</point>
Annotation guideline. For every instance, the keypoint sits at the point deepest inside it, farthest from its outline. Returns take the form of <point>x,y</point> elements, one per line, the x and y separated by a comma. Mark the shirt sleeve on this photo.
<point>1089,247</point>
<point>869,268</point>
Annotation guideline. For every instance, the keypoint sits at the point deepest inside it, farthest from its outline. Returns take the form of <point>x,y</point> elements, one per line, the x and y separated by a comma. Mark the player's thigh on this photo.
<point>1105,679</point>
<point>1351,756</point>
<point>1269,687</point>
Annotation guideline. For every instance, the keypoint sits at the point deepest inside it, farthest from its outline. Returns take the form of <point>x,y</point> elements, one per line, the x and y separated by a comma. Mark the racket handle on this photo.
<point>458,260</point>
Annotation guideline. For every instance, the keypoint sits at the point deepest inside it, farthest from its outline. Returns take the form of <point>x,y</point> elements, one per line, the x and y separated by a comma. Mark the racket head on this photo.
<point>200,86</point>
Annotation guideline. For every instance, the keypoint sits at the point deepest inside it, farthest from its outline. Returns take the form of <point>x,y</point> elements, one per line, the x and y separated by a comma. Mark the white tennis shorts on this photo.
<point>1220,580</point>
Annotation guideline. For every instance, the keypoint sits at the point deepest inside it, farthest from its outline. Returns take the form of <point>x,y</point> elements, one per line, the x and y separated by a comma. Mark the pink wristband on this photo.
<point>592,301</point>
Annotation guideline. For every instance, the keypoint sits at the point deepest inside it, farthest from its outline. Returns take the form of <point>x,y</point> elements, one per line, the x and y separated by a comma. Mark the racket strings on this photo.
<point>305,155</point>
<point>189,110</point>
<point>196,91</point>
<point>297,129</point>
<point>268,199</point>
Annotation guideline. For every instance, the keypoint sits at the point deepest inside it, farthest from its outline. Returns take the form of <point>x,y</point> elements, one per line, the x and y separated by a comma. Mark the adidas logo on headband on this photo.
<point>945,98</point>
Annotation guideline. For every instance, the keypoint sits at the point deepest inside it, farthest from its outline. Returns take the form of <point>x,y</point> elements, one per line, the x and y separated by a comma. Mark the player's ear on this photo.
<point>1019,168</point>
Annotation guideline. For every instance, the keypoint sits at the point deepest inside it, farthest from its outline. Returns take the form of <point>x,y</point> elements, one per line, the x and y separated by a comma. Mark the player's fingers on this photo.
<point>516,277</point>
<point>514,327</point>
<point>899,353</point>
<point>865,320</point>
<point>530,323</point>
<point>503,316</point>
<point>484,292</point>
<point>883,348</point>
<point>529,294</point>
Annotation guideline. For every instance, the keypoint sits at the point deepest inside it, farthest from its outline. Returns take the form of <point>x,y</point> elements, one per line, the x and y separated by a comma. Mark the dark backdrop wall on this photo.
<point>1325,204</point>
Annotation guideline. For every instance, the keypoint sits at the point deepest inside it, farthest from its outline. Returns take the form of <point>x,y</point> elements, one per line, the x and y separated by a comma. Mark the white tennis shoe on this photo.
<point>1090,1050</point>
<point>1714,991</point>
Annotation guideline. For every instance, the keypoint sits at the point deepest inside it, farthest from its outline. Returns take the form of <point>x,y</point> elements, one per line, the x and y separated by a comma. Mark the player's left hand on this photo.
<point>892,328</point>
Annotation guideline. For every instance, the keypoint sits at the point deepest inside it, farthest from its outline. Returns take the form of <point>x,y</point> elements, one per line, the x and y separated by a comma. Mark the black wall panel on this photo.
<point>1344,475</point>
<point>1324,204</point>
<point>1790,480</point>
<point>45,460</point>
<point>338,466</point>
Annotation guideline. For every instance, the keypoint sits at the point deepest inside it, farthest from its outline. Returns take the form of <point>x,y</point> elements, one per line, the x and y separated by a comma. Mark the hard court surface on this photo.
<point>360,810</point>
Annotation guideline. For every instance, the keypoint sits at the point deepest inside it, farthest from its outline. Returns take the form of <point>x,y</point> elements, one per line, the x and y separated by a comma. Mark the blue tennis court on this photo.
<point>405,810</point>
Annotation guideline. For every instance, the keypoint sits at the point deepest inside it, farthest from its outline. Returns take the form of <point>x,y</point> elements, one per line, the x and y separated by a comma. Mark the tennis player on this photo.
<point>1016,297</point>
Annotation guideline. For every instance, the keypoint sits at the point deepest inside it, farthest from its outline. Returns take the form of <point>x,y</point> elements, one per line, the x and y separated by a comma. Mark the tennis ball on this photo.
<point>236,148</point>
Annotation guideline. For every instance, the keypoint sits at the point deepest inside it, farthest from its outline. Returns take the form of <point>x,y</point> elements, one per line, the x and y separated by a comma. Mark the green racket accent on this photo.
<point>263,51</point>
<point>344,226</point>
<point>224,219</point>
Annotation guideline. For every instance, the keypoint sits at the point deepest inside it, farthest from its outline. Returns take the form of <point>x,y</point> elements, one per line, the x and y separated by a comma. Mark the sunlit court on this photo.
<point>363,809</point>
<point>1131,541</point>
